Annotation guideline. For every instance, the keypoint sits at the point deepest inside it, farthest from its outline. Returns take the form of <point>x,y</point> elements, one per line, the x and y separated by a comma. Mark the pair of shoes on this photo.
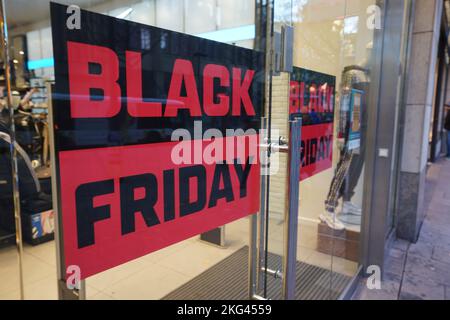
<point>350,208</point>
<point>330,218</point>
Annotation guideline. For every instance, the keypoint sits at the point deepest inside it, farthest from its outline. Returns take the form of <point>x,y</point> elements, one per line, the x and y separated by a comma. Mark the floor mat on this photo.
<point>227,280</point>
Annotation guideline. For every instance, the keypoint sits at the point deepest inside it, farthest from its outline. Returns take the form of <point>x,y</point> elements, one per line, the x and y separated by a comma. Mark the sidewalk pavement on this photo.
<point>421,270</point>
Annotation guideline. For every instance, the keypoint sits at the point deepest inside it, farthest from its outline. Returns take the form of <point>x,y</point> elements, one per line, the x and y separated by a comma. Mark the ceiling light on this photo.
<point>124,14</point>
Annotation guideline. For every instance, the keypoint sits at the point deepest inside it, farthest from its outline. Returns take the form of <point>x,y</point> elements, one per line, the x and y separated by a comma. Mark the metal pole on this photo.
<point>12,149</point>
<point>252,255</point>
<point>60,270</point>
<point>269,63</point>
<point>64,293</point>
<point>256,248</point>
<point>291,212</point>
<point>262,220</point>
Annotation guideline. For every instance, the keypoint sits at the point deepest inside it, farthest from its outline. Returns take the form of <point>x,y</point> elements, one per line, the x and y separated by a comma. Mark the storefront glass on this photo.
<point>333,52</point>
<point>155,275</point>
<point>333,63</point>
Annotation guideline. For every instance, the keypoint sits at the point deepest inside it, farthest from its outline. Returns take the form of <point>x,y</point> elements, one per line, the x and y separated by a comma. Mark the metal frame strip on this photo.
<point>64,293</point>
<point>12,148</point>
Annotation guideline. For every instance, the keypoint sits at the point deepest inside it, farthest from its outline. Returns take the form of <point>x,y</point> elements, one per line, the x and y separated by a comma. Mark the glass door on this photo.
<point>212,265</point>
<point>329,88</point>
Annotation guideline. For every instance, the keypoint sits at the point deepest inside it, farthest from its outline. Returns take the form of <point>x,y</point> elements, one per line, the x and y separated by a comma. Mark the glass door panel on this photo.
<point>329,87</point>
<point>212,265</point>
<point>168,272</point>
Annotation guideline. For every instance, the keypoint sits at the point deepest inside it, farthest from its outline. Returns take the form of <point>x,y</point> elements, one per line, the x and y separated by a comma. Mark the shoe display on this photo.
<point>330,218</point>
<point>350,208</point>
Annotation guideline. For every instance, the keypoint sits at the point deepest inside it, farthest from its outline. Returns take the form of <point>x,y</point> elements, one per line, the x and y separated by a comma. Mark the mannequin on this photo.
<point>351,163</point>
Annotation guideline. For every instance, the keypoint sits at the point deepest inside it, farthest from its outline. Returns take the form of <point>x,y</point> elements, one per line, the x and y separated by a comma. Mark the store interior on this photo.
<point>330,37</point>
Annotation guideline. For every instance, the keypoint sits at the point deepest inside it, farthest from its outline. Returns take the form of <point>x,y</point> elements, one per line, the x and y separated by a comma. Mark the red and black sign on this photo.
<point>312,96</point>
<point>121,90</point>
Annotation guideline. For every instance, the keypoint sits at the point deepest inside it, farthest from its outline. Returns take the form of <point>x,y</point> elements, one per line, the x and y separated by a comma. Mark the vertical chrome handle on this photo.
<point>291,212</point>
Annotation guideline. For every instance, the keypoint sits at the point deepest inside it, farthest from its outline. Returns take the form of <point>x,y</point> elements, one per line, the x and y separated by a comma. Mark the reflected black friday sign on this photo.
<point>312,96</point>
<point>121,89</point>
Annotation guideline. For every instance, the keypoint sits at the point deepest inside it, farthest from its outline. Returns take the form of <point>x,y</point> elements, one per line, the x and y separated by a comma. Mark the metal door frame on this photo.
<point>277,59</point>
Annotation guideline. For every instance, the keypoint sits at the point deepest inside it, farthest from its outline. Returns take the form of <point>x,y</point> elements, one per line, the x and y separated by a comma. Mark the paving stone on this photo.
<point>439,222</point>
<point>415,287</point>
<point>409,296</point>
<point>436,229</point>
<point>421,249</point>
<point>397,254</point>
<point>439,207</point>
<point>428,268</point>
<point>430,237</point>
<point>441,199</point>
<point>436,219</point>
<point>400,244</point>
<point>423,268</point>
<point>442,254</point>
<point>389,291</point>
<point>393,277</point>
<point>394,265</point>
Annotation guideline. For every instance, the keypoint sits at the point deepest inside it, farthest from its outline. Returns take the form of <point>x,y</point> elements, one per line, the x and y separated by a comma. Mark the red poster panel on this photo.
<point>312,97</point>
<point>120,203</point>
<point>128,182</point>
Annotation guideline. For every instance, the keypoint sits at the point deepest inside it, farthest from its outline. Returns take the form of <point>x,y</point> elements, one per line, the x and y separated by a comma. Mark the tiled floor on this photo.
<point>155,275</point>
<point>149,277</point>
